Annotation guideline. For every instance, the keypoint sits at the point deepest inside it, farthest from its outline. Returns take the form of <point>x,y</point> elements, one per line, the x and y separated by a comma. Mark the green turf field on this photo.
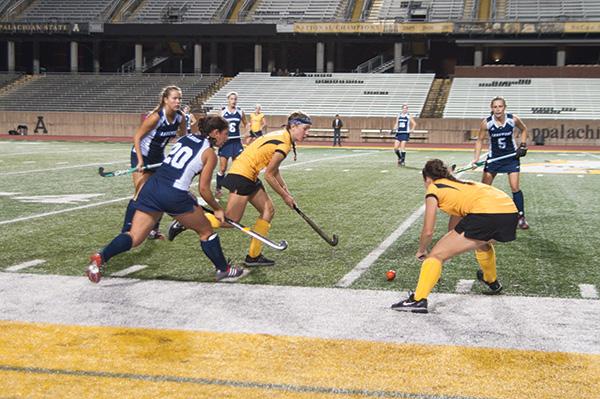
<point>358,194</point>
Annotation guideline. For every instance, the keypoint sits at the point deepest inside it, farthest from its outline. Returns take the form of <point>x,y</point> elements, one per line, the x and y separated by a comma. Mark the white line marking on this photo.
<point>62,163</point>
<point>464,286</point>
<point>540,175</point>
<point>129,270</point>
<point>25,265</point>
<point>384,171</point>
<point>21,172</point>
<point>588,291</point>
<point>579,175</point>
<point>3,193</point>
<point>364,264</point>
<point>346,170</point>
<point>308,169</point>
<point>39,215</point>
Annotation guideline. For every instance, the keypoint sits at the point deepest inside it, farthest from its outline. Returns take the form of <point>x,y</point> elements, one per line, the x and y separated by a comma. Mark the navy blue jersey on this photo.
<point>235,119</point>
<point>403,123</point>
<point>502,140</point>
<point>183,163</point>
<point>153,143</point>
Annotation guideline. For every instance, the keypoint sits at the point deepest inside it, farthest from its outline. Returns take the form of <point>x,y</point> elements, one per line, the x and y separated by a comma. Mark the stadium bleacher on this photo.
<point>430,10</point>
<point>552,9</point>
<point>300,10</point>
<point>326,94</point>
<point>66,10</point>
<point>535,98</point>
<point>197,10</point>
<point>127,93</point>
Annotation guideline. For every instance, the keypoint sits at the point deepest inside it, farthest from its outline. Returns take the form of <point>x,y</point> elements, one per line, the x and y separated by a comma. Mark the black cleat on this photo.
<point>411,305</point>
<point>260,260</point>
<point>174,229</point>
<point>494,287</point>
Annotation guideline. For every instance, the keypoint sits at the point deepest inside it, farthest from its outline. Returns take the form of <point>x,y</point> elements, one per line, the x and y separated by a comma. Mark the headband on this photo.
<point>301,120</point>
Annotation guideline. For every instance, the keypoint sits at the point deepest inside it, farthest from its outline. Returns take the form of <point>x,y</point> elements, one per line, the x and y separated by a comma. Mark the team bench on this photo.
<point>326,133</point>
<point>383,134</point>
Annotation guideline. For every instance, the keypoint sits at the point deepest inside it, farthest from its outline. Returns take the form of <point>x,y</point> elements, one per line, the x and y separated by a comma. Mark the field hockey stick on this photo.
<point>485,162</point>
<point>333,241</point>
<point>121,172</point>
<point>280,247</point>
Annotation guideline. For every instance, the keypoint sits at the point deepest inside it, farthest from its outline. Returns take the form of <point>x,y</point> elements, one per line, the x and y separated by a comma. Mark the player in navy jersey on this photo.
<point>190,119</point>
<point>233,147</point>
<point>162,123</point>
<point>499,129</point>
<point>167,190</point>
<point>405,124</point>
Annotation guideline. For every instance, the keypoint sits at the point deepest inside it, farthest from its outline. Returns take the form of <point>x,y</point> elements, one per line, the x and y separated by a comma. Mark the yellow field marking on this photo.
<point>43,360</point>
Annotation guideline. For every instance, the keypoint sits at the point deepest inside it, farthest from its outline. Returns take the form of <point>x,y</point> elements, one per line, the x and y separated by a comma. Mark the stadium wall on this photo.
<point>441,131</point>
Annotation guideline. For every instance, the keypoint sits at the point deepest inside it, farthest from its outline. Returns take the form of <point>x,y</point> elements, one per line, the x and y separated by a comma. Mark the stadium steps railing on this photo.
<point>436,99</point>
<point>374,10</point>
<point>197,104</point>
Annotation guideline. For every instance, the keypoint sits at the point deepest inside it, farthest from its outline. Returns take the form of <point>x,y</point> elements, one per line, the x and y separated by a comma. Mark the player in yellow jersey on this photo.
<point>266,152</point>
<point>479,215</point>
<point>257,124</point>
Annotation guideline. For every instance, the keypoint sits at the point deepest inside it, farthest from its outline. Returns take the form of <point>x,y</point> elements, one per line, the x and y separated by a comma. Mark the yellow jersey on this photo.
<point>460,199</point>
<point>258,155</point>
<point>256,121</point>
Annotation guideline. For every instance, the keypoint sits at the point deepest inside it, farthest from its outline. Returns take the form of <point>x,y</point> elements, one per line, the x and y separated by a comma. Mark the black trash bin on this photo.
<point>22,130</point>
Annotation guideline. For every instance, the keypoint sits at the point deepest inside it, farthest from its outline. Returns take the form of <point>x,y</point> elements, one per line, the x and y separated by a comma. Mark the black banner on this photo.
<point>44,28</point>
<point>190,29</point>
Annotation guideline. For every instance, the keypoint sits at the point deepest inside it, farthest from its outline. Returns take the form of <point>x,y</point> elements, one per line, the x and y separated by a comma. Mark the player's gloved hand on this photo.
<point>521,151</point>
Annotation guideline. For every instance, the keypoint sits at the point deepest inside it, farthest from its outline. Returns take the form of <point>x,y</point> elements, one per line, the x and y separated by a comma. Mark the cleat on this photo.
<point>523,225</point>
<point>233,273</point>
<point>218,193</point>
<point>155,235</point>
<point>260,260</point>
<point>94,269</point>
<point>174,229</point>
<point>399,162</point>
<point>494,287</point>
<point>402,162</point>
<point>411,305</point>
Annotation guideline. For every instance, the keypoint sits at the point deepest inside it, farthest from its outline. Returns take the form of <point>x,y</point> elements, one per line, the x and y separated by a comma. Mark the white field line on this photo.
<point>592,155</point>
<point>464,286</point>
<point>15,154</point>
<point>588,291</point>
<point>40,215</point>
<point>25,265</point>
<point>364,264</point>
<point>129,270</point>
<point>23,172</point>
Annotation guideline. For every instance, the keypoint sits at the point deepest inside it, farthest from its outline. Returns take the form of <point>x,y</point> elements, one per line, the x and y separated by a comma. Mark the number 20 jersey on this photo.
<point>184,162</point>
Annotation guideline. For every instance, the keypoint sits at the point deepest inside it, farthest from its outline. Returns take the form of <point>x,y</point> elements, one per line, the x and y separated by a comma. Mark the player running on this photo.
<point>233,147</point>
<point>479,215</point>
<point>149,142</point>
<point>405,124</point>
<point>499,127</point>
<point>266,152</point>
<point>167,190</point>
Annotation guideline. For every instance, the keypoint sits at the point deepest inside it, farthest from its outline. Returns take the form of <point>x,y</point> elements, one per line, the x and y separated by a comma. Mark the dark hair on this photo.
<point>207,124</point>
<point>436,169</point>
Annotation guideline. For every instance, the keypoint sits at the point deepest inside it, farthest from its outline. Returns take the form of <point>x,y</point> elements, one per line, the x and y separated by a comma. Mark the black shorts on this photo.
<point>256,134</point>
<point>489,226</point>
<point>241,185</point>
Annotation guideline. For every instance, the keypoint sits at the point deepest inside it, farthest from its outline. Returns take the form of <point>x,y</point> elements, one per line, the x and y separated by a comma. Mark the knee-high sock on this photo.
<point>261,227</point>
<point>487,262</point>
<point>157,225</point>
<point>119,244</point>
<point>519,202</point>
<point>431,270</point>
<point>398,154</point>
<point>403,155</point>
<point>219,180</point>
<point>214,222</point>
<point>128,216</point>
<point>212,249</point>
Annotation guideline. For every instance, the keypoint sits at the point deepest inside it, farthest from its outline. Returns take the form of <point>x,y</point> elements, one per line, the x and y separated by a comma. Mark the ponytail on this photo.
<point>436,169</point>
<point>207,124</point>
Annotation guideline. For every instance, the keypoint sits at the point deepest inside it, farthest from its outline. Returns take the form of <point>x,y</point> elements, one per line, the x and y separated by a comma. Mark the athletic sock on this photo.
<point>519,202</point>
<point>261,227</point>
<point>119,244</point>
<point>431,270</point>
<point>403,155</point>
<point>398,154</point>
<point>219,180</point>
<point>128,216</point>
<point>214,222</point>
<point>157,225</point>
<point>487,263</point>
<point>212,249</point>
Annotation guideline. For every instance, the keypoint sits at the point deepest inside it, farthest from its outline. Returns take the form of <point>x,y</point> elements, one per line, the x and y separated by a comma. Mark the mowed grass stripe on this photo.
<point>44,355</point>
